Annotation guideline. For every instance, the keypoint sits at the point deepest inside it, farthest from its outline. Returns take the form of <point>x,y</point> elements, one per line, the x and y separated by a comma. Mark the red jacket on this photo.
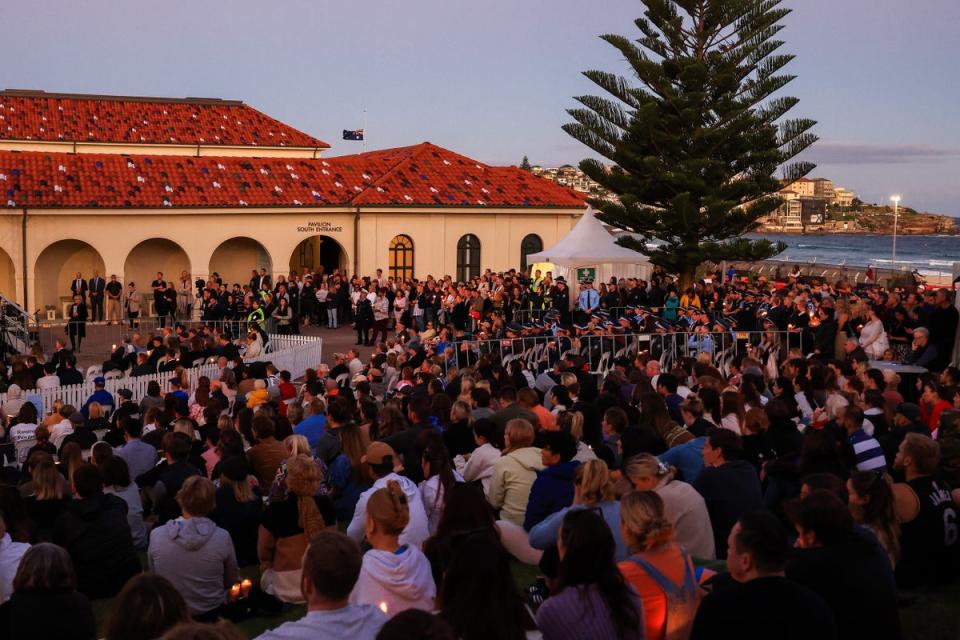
<point>930,416</point>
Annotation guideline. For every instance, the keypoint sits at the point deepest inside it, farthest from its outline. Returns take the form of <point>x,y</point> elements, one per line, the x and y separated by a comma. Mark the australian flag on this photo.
<point>353,135</point>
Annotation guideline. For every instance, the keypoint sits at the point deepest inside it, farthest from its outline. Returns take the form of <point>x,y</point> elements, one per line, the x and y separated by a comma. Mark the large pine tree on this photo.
<point>697,145</point>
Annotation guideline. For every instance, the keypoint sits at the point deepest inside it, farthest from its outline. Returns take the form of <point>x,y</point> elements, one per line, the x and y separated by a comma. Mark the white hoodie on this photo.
<point>395,582</point>
<point>416,531</point>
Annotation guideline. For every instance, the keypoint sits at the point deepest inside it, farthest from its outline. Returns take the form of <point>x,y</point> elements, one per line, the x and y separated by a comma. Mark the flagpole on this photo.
<point>364,130</point>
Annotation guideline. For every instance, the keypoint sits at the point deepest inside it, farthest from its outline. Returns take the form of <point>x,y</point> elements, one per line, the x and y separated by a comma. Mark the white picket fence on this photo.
<point>295,354</point>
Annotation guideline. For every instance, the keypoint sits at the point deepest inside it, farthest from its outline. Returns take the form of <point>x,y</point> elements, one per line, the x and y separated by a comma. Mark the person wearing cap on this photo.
<point>588,300</point>
<point>394,576</point>
<point>384,465</point>
<point>101,395</point>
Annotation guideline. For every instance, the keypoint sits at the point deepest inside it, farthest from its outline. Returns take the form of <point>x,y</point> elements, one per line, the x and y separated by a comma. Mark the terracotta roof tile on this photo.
<point>424,175</point>
<point>108,119</point>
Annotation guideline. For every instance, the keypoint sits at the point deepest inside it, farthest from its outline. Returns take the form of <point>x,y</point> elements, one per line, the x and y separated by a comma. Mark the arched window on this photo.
<point>400,265</point>
<point>530,244</point>
<point>468,257</point>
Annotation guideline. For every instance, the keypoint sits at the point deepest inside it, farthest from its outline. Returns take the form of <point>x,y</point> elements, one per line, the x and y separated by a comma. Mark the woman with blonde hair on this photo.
<point>515,471</point>
<point>288,525</point>
<point>684,506</point>
<point>592,489</point>
<point>659,569</point>
<point>296,445</point>
<point>510,483</point>
<point>393,577</point>
<point>48,498</point>
<point>572,423</point>
<point>54,417</point>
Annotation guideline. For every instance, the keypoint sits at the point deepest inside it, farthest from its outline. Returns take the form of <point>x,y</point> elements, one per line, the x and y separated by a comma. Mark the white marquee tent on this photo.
<point>590,245</point>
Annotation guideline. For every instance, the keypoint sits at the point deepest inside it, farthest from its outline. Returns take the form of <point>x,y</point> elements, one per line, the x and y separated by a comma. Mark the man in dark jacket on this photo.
<point>95,533</point>
<point>176,448</point>
<point>553,489</point>
<point>729,485</point>
<point>405,442</point>
<point>510,409</point>
<point>825,334</point>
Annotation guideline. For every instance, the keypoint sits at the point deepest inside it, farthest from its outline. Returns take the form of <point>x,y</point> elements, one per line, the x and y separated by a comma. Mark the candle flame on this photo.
<point>383,607</point>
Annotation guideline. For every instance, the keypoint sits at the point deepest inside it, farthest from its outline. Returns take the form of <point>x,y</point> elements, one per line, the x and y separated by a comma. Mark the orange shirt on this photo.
<point>548,421</point>
<point>669,561</point>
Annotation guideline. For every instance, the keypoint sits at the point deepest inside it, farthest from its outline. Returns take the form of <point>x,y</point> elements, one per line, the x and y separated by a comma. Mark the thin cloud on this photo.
<point>864,153</point>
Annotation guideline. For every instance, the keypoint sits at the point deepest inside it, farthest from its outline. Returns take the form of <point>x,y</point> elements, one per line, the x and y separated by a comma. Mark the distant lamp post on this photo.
<point>896,212</point>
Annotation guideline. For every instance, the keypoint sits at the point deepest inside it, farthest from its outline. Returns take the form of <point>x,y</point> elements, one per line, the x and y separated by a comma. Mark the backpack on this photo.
<point>682,600</point>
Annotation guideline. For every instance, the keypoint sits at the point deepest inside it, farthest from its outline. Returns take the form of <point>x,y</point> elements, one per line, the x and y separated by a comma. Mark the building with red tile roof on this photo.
<point>139,123</point>
<point>126,207</point>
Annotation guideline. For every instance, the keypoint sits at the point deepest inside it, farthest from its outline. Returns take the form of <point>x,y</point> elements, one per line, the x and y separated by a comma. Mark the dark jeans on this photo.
<point>379,326</point>
<point>363,333</point>
<point>96,302</point>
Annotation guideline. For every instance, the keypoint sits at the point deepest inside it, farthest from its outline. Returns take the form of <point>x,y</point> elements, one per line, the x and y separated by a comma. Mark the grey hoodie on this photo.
<point>400,581</point>
<point>198,558</point>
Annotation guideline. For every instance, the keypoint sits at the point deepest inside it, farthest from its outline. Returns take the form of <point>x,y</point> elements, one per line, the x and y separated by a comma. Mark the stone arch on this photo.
<point>319,251</point>
<point>8,276</point>
<point>56,268</point>
<point>236,258</point>
<point>153,255</point>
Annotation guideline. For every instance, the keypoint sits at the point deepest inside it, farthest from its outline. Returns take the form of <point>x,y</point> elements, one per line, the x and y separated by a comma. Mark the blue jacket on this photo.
<point>545,534</point>
<point>104,397</point>
<point>551,491</point>
<point>687,458</point>
<point>312,428</point>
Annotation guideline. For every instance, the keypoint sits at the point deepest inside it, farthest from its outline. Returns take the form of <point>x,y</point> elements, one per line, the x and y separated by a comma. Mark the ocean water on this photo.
<point>927,254</point>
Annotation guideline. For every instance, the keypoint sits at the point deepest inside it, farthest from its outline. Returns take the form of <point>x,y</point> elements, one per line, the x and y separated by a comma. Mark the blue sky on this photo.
<point>491,79</point>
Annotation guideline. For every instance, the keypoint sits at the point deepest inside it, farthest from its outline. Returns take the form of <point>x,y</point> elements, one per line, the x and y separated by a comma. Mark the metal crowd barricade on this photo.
<point>540,353</point>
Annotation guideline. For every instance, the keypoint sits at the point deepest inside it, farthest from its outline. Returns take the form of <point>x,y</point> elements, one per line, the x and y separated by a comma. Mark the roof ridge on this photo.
<point>416,151</point>
<point>39,93</point>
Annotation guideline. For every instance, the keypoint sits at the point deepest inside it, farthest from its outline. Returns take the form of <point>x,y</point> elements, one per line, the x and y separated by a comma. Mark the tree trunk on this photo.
<point>688,276</point>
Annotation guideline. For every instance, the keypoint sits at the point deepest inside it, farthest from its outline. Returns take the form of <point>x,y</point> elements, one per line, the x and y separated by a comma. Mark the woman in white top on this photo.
<point>479,464</point>
<point>684,506</point>
<point>440,477</point>
<point>400,303</point>
<point>873,337</point>
<point>731,408</point>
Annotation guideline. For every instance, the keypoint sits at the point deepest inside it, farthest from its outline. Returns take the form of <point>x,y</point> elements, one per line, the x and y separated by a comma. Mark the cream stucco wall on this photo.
<point>234,241</point>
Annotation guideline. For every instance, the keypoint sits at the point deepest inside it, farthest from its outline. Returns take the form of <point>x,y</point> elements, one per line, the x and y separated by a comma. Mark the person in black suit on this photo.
<point>159,287</point>
<point>263,279</point>
<point>96,289</point>
<point>77,322</point>
<point>79,287</point>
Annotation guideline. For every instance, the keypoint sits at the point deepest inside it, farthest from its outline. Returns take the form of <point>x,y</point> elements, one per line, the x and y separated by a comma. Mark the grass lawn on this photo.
<point>933,615</point>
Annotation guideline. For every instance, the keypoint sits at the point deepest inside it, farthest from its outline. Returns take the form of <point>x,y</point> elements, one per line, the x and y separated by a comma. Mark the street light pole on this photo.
<point>896,213</point>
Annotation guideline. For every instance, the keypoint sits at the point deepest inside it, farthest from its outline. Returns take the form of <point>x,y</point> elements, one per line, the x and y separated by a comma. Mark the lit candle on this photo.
<point>383,607</point>
<point>235,592</point>
<point>245,586</point>
<point>113,348</point>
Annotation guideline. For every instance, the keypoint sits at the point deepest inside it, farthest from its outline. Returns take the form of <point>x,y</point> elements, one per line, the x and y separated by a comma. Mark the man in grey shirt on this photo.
<point>331,567</point>
<point>139,455</point>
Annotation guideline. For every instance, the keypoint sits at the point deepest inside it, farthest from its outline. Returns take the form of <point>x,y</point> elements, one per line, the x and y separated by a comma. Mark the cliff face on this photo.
<point>908,223</point>
<point>879,220</point>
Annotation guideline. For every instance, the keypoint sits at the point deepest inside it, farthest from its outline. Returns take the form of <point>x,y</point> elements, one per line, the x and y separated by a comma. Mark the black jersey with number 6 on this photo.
<point>928,543</point>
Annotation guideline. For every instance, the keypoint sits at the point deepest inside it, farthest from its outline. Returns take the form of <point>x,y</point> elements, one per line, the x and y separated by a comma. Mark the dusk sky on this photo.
<point>491,79</point>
